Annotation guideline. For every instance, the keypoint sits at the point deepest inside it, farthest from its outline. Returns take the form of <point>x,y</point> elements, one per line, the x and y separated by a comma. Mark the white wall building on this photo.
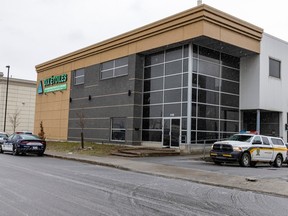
<point>263,88</point>
<point>21,99</point>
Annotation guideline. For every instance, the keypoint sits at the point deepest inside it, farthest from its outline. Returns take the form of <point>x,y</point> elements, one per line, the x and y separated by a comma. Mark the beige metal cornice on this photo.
<point>202,20</point>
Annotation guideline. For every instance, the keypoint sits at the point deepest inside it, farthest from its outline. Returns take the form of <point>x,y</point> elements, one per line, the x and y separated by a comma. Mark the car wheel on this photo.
<point>15,151</point>
<point>1,150</point>
<point>278,161</point>
<point>40,154</point>
<point>217,162</point>
<point>245,160</point>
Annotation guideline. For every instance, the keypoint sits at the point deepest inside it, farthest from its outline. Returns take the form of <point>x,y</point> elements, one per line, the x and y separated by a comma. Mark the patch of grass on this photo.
<point>90,148</point>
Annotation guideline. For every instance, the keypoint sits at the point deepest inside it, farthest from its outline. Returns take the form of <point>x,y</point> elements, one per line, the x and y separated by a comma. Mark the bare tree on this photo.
<point>15,119</point>
<point>81,124</point>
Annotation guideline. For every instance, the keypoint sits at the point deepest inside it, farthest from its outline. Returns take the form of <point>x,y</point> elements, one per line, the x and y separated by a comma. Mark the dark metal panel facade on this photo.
<point>97,101</point>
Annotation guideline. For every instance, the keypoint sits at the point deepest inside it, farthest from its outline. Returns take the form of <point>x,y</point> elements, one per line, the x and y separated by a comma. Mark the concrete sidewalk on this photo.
<point>271,186</point>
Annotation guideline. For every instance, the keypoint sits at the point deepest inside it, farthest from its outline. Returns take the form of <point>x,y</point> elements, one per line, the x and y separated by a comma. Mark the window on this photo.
<point>265,140</point>
<point>118,129</point>
<point>79,77</point>
<point>274,68</point>
<point>276,141</point>
<point>114,68</point>
<point>257,140</point>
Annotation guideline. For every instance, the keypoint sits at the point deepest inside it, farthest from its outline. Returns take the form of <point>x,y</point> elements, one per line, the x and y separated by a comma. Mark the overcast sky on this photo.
<point>36,31</point>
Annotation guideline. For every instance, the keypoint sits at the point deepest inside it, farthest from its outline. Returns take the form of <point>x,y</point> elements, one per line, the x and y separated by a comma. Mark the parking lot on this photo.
<point>261,171</point>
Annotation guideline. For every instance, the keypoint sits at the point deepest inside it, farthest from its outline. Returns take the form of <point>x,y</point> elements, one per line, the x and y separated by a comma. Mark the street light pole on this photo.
<point>8,67</point>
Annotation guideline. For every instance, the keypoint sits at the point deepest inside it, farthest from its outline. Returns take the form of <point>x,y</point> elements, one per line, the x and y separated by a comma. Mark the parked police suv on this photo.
<point>249,149</point>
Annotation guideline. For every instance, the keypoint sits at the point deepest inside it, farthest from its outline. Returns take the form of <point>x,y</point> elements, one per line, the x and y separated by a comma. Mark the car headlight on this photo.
<point>235,148</point>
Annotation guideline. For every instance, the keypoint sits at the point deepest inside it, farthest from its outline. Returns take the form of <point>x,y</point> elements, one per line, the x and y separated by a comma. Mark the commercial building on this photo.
<point>20,104</point>
<point>198,76</point>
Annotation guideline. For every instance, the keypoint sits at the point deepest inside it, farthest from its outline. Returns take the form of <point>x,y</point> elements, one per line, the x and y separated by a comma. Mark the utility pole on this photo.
<point>8,67</point>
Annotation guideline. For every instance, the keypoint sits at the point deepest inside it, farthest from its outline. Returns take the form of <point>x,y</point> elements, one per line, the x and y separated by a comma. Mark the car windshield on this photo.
<point>3,135</point>
<point>240,137</point>
<point>28,137</point>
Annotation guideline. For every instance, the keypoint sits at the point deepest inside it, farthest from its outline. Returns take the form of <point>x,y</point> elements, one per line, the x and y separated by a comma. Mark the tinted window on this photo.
<point>274,68</point>
<point>184,94</point>
<point>185,65</point>
<point>173,54</point>
<point>153,84</point>
<point>257,139</point>
<point>276,141</point>
<point>154,71</point>
<point>265,141</point>
<point>120,71</point>
<point>229,126</point>
<point>173,81</point>
<point>195,65</point>
<point>118,129</point>
<point>152,123</point>
<point>229,113</point>
<point>207,111</point>
<point>229,100</point>
<point>230,61</point>
<point>208,83</point>
<point>172,96</point>
<point>230,73</point>
<point>79,77</point>
<point>27,136</point>
<point>172,110</point>
<point>173,67</point>
<point>152,111</point>
<point>114,68</point>
<point>184,109</point>
<point>121,62</point>
<point>207,124</point>
<point>152,135</point>
<point>242,138</point>
<point>185,80</point>
<point>154,58</point>
<point>194,80</point>
<point>208,97</point>
<point>230,87</point>
<point>209,68</point>
<point>209,55</point>
<point>153,97</point>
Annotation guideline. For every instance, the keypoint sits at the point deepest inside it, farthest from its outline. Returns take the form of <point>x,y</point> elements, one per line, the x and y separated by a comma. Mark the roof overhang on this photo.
<point>203,24</point>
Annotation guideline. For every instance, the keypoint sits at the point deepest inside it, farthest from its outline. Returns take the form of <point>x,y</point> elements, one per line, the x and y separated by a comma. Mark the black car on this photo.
<point>24,143</point>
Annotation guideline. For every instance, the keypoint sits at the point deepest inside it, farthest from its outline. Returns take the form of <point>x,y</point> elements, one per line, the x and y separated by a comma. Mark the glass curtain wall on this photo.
<point>215,93</point>
<point>165,90</point>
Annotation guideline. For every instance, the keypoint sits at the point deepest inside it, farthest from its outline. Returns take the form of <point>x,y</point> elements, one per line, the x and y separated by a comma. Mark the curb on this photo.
<point>202,177</point>
<point>88,161</point>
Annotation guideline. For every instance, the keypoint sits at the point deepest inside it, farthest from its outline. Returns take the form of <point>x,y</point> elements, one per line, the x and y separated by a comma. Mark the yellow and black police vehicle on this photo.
<point>249,149</point>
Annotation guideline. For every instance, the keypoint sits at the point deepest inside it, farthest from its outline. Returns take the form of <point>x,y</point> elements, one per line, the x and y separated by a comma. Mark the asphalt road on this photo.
<point>31,185</point>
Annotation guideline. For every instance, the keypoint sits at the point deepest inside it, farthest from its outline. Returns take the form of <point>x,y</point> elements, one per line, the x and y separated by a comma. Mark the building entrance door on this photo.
<point>171,132</point>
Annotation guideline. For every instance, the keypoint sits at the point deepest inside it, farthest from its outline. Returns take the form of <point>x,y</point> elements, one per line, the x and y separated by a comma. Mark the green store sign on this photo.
<point>52,84</point>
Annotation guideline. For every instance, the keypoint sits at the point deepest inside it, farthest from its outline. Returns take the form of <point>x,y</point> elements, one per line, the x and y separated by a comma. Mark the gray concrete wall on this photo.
<point>109,98</point>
